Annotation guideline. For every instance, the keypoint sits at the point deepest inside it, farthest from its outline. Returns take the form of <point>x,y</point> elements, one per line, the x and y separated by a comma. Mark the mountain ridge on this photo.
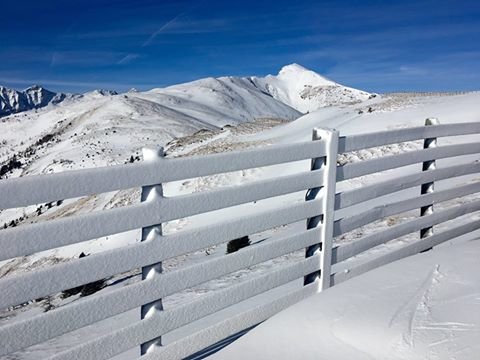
<point>294,85</point>
<point>34,97</point>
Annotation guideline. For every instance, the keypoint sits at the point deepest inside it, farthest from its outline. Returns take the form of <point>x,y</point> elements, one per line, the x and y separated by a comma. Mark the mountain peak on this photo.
<point>105,92</point>
<point>305,90</point>
<point>299,74</point>
<point>33,97</point>
<point>34,87</point>
<point>294,67</point>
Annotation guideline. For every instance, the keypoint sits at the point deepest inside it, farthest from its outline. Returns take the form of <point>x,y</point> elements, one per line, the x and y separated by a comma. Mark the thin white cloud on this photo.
<point>74,84</point>
<point>110,33</point>
<point>161,29</point>
<point>127,59</point>
<point>84,58</point>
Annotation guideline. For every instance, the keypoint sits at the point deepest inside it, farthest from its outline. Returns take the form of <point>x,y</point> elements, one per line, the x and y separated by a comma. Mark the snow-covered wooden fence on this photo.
<point>423,179</point>
<point>32,238</point>
<point>324,265</point>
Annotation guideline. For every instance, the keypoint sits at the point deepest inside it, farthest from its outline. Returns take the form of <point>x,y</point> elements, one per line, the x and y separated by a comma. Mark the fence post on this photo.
<point>327,191</point>
<point>428,187</point>
<point>151,233</point>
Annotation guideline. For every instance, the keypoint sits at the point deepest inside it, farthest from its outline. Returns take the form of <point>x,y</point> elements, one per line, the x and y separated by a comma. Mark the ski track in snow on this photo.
<point>417,306</point>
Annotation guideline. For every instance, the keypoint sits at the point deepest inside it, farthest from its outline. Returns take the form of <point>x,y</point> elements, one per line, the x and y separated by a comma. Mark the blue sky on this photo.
<point>118,44</point>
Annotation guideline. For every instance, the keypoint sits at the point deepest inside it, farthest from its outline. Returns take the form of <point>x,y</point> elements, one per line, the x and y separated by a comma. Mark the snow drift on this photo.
<point>422,307</point>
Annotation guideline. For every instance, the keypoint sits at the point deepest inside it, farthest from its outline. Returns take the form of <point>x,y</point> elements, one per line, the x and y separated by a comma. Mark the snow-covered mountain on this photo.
<point>100,92</point>
<point>294,86</point>
<point>307,91</point>
<point>102,127</point>
<point>34,97</point>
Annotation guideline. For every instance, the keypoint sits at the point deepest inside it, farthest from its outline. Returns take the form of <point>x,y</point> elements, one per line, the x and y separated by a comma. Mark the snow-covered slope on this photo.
<point>232,98</point>
<point>381,113</point>
<point>307,91</point>
<point>102,127</point>
<point>422,307</point>
<point>34,97</point>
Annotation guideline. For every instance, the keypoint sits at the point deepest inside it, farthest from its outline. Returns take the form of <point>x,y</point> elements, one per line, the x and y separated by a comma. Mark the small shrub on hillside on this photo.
<point>237,244</point>
<point>93,287</point>
<point>87,289</point>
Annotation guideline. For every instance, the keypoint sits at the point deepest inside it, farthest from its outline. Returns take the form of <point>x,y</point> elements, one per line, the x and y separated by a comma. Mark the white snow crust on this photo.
<point>422,307</point>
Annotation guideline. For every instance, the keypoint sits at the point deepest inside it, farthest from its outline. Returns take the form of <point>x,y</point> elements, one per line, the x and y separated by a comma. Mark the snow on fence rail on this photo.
<point>149,214</point>
<point>324,265</point>
<point>424,179</point>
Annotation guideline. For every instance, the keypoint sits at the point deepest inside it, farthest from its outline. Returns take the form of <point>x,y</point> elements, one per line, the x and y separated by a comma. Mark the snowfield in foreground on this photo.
<point>422,307</point>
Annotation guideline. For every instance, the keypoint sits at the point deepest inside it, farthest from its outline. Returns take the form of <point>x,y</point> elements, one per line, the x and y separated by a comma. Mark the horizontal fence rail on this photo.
<point>33,238</point>
<point>332,247</point>
<point>142,331</point>
<point>372,166</point>
<point>172,282</point>
<point>25,191</point>
<point>230,326</point>
<point>365,141</point>
<point>343,252</point>
<point>348,224</point>
<point>345,266</point>
<point>386,187</point>
<point>410,249</point>
<point>20,289</point>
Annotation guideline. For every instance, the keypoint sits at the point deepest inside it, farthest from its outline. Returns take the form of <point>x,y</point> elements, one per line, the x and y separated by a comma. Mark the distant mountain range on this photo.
<point>46,131</point>
<point>14,101</point>
<point>295,86</point>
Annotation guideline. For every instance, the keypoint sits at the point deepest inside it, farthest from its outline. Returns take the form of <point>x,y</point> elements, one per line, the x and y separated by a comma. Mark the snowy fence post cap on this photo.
<point>149,193</point>
<point>319,131</point>
<point>150,154</point>
<point>432,121</point>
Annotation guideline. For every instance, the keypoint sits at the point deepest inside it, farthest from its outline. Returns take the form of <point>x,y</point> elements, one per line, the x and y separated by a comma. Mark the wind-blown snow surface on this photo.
<point>422,307</point>
<point>388,112</point>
